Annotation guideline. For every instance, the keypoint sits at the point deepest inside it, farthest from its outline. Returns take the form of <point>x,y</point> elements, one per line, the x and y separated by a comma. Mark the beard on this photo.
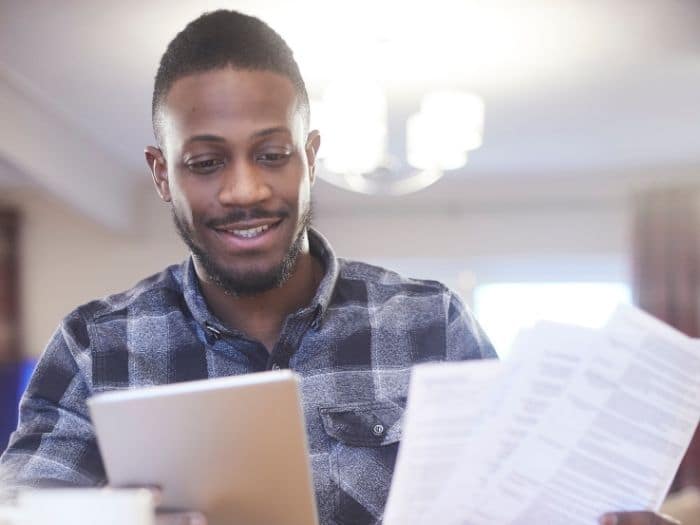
<point>247,282</point>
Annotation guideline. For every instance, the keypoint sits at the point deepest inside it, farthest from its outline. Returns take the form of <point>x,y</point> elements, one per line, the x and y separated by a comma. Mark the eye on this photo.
<point>205,166</point>
<point>273,158</point>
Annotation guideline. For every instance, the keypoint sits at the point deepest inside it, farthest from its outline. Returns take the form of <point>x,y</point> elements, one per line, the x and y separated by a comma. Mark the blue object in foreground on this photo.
<point>26,369</point>
<point>9,386</point>
<point>13,381</point>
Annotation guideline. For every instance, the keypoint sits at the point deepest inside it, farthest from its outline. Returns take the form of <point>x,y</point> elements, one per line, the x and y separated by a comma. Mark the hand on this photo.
<point>636,518</point>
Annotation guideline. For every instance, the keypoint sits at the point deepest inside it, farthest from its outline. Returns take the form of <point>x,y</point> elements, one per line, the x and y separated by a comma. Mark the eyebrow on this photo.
<point>257,134</point>
<point>205,138</point>
<point>271,131</point>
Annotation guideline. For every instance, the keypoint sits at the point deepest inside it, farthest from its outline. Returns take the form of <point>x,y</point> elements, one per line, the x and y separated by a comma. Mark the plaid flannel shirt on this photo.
<point>353,347</point>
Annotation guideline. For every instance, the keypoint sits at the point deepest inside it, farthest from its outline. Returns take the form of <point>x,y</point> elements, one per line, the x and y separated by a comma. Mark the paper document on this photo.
<point>444,410</point>
<point>576,423</point>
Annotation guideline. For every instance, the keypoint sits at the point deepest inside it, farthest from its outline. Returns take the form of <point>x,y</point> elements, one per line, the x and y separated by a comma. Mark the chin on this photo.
<point>250,279</point>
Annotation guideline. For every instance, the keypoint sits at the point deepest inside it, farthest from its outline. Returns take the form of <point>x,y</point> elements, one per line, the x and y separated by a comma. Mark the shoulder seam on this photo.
<point>107,308</point>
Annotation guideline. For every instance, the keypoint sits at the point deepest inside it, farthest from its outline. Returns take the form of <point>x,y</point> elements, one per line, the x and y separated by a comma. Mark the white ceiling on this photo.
<point>573,88</point>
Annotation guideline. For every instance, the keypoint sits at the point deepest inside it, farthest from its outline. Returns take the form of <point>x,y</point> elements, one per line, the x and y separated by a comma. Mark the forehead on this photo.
<point>230,101</point>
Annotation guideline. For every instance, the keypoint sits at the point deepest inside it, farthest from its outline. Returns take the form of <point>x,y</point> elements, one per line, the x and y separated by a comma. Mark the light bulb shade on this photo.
<point>448,125</point>
<point>427,147</point>
<point>458,115</point>
<point>352,117</point>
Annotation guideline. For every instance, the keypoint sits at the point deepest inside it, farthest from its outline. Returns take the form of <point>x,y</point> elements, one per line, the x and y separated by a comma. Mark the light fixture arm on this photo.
<point>362,183</point>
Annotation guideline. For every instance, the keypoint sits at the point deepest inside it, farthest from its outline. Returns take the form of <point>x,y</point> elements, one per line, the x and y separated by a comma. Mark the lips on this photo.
<point>247,230</point>
<point>251,234</point>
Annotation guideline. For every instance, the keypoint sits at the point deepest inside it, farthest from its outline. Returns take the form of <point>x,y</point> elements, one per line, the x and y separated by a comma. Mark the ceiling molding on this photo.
<point>42,143</point>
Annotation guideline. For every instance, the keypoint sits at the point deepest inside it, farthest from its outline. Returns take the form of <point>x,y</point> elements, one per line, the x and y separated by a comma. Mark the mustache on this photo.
<point>242,214</point>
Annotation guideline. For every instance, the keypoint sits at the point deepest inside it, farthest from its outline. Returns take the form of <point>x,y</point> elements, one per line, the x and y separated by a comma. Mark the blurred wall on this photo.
<point>548,229</point>
<point>67,259</point>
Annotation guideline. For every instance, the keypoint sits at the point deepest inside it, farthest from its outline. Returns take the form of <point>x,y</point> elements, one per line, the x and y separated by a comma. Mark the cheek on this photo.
<point>305,191</point>
<point>302,185</point>
<point>191,200</point>
<point>183,212</point>
<point>304,195</point>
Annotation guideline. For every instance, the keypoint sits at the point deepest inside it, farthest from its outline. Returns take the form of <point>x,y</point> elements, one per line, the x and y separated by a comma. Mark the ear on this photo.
<point>159,171</point>
<point>313,142</point>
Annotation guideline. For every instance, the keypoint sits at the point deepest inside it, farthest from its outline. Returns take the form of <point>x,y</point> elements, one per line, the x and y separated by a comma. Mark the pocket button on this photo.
<point>378,430</point>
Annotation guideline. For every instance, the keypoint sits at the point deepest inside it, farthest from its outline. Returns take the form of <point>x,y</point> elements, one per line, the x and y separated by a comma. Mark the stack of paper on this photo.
<point>576,423</point>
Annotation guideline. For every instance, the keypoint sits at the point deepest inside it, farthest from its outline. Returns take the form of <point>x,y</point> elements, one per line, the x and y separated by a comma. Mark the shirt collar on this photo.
<point>318,246</point>
<point>321,248</point>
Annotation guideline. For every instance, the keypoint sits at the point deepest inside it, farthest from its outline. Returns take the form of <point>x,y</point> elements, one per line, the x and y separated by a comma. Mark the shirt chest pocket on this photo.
<point>364,441</point>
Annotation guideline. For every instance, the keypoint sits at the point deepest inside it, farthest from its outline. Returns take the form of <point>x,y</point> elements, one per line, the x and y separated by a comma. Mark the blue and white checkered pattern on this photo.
<point>353,346</point>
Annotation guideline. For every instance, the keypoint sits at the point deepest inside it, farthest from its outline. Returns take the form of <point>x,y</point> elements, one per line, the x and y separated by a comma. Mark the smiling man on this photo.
<point>236,162</point>
<point>262,290</point>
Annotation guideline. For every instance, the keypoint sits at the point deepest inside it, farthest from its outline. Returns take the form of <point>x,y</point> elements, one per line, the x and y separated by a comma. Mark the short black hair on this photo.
<point>220,39</point>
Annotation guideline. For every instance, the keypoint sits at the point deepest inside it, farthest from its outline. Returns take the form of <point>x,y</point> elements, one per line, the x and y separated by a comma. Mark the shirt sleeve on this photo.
<point>54,444</point>
<point>465,337</point>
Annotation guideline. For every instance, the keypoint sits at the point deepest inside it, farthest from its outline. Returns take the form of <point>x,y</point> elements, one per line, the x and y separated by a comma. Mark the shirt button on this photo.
<point>275,366</point>
<point>378,430</point>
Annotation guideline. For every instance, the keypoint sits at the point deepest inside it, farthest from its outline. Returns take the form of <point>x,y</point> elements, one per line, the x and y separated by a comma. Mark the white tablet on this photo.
<point>233,448</point>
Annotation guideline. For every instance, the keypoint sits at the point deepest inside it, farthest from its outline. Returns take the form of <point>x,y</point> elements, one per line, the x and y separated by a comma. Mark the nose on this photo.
<point>242,184</point>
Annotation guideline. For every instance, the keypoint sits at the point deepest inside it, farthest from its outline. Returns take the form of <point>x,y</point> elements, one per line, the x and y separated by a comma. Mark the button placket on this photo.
<point>292,333</point>
<point>212,333</point>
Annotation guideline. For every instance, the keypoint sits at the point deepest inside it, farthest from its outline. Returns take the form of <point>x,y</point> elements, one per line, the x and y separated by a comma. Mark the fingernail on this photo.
<point>608,519</point>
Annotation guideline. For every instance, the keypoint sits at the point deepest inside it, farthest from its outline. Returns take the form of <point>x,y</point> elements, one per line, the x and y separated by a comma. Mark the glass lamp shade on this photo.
<point>352,117</point>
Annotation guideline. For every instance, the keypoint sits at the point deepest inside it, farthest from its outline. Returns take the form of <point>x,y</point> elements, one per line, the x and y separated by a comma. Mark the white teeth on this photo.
<point>250,232</point>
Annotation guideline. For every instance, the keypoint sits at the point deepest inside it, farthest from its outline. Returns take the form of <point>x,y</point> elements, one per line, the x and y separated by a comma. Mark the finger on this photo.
<point>180,518</point>
<point>637,518</point>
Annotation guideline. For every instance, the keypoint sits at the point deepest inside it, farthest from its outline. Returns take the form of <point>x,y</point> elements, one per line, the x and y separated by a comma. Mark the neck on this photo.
<point>262,315</point>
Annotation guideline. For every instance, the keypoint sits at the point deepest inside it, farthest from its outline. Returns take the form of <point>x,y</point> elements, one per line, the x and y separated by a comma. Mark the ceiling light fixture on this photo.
<point>353,119</point>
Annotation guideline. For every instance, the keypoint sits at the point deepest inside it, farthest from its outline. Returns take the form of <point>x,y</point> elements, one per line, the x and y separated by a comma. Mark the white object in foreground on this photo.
<point>577,423</point>
<point>232,448</point>
<point>81,507</point>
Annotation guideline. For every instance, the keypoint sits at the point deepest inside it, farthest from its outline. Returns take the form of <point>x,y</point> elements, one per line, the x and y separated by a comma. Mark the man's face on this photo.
<point>237,167</point>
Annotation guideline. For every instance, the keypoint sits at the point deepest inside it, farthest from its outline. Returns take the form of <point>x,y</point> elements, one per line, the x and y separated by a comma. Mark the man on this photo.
<point>262,290</point>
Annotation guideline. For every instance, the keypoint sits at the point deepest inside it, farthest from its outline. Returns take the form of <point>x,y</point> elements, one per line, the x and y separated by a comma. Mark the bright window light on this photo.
<point>503,309</point>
